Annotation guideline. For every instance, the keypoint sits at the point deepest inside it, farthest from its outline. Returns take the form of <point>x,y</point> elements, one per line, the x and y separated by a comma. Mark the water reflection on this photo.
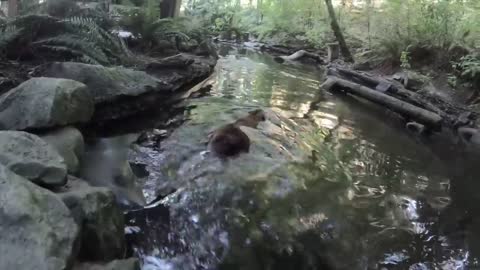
<point>334,184</point>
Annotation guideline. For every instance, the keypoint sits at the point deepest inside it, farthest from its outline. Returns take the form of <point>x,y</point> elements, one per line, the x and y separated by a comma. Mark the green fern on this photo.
<point>68,50</point>
<point>112,45</point>
<point>151,30</point>
<point>78,37</point>
<point>76,43</point>
<point>8,35</point>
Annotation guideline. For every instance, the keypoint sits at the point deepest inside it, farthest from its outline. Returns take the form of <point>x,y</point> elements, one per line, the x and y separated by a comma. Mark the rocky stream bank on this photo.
<point>52,216</point>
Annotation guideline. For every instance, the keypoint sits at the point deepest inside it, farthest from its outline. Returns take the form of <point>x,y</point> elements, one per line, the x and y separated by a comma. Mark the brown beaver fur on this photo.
<point>230,140</point>
<point>252,119</point>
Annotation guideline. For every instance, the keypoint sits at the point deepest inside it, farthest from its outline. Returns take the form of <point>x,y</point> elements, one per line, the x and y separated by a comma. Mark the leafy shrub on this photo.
<point>150,31</point>
<point>469,69</point>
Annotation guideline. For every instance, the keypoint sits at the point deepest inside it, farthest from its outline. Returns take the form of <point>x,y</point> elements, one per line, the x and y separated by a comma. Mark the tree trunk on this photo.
<point>338,32</point>
<point>12,8</point>
<point>259,9</point>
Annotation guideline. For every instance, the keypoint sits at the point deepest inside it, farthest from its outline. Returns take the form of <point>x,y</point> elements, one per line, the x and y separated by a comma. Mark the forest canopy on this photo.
<point>390,26</point>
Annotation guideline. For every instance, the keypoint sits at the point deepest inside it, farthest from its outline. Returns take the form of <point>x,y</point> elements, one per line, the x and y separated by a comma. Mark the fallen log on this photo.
<point>299,55</point>
<point>395,89</point>
<point>275,49</point>
<point>452,114</point>
<point>176,61</point>
<point>409,111</point>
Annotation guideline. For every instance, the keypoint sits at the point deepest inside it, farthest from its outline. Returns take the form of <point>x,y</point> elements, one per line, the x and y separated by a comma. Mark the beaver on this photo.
<point>230,140</point>
<point>252,119</point>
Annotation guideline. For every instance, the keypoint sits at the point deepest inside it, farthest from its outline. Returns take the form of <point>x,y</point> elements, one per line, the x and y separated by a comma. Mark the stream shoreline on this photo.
<point>49,114</point>
<point>460,125</point>
<point>358,157</point>
<point>55,213</point>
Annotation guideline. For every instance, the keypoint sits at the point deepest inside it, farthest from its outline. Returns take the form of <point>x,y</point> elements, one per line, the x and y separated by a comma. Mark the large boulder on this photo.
<point>119,92</point>
<point>70,145</point>
<point>31,157</point>
<point>45,102</point>
<point>127,264</point>
<point>37,229</point>
<point>105,83</point>
<point>101,220</point>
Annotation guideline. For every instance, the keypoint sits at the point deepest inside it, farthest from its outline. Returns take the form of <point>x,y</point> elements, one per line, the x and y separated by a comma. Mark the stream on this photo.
<point>330,182</point>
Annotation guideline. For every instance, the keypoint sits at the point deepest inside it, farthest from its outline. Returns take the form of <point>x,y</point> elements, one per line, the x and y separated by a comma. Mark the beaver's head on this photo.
<point>258,115</point>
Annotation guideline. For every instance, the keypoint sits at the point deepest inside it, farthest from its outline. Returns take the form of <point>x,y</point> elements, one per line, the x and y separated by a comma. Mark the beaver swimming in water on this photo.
<point>230,140</point>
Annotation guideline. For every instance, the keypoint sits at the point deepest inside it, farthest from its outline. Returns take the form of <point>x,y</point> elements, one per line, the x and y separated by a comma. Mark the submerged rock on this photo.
<point>38,231</point>
<point>31,157</point>
<point>99,217</point>
<point>70,145</point>
<point>45,102</point>
<point>127,264</point>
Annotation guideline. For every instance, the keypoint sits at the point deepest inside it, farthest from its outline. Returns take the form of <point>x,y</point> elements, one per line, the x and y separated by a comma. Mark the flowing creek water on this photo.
<point>331,184</point>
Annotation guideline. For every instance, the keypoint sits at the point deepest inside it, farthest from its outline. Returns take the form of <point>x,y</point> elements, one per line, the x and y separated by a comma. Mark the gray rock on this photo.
<point>120,92</point>
<point>105,83</point>
<point>96,212</point>
<point>70,145</point>
<point>127,264</point>
<point>45,102</point>
<point>38,231</point>
<point>31,157</point>
<point>415,128</point>
<point>469,135</point>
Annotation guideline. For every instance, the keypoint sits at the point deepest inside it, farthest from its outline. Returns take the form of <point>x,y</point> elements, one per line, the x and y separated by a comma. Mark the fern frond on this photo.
<point>111,44</point>
<point>64,49</point>
<point>176,34</point>
<point>165,23</point>
<point>35,21</point>
<point>76,43</point>
<point>8,35</point>
<point>79,36</point>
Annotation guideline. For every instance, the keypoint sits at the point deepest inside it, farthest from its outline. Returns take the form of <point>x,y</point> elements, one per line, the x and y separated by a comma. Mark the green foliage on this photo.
<point>434,25</point>
<point>405,60</point>
<point>7,35</point>
<point>150,30</point>
<point>389,27</point>
<point>469,69</point>
<point>470,66</point>
<point>60,8</point>
<point>74,38</point>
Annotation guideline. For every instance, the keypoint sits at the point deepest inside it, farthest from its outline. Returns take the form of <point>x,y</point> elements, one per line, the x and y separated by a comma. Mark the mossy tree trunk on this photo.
<point>338,32</point>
